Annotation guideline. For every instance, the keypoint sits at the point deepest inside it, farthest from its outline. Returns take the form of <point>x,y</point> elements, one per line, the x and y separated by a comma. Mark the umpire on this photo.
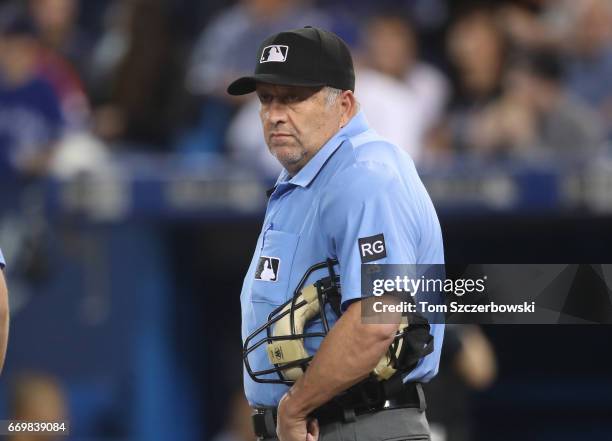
<point>345,194</point>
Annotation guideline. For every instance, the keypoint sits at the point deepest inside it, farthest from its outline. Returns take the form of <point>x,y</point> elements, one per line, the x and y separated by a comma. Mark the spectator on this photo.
<point>537,24</point>
<point>137,91</point>
<point>31,119</point>
<point>590,61</point>
<point>477,50</point>
<point>67,86</point>
<point>226,47</point>
<point>225,50</point>
<point>63,55</point>
<point>56,22</point>
<point>402,97</point>
<point>536,116</point>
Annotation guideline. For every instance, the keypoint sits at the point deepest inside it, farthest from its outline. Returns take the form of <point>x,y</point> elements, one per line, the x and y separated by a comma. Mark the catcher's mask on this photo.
<point>285,333</point>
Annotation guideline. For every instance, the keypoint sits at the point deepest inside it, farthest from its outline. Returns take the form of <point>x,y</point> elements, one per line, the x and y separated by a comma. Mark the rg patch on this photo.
<point>372,248</point>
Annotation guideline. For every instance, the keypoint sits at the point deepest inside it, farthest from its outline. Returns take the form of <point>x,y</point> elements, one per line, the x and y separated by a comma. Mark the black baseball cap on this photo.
<point>301,57</point>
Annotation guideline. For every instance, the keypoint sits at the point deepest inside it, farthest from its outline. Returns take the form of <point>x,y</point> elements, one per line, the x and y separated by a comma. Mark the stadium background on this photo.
<point>128,221</point>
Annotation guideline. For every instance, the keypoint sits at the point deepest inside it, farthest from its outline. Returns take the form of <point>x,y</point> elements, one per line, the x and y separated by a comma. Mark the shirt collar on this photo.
<point>358,124</point>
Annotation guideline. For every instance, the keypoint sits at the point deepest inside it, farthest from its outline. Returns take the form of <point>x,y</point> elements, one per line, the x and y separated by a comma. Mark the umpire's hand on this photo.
<point>291,426</point>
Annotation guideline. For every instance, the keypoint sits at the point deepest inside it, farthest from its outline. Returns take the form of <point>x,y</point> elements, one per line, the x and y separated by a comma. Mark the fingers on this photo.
<point>313,430</point>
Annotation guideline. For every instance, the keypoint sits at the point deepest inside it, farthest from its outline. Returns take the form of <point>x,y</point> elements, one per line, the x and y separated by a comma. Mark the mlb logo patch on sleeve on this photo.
<point>267,269</point>
<point>372,248</point>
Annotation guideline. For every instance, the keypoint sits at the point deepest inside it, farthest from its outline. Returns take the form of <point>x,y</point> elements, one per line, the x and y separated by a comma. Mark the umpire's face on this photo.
<point>297,121</point>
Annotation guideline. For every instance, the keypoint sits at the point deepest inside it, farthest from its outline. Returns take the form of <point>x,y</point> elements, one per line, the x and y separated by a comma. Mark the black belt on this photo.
<point>412,396</point>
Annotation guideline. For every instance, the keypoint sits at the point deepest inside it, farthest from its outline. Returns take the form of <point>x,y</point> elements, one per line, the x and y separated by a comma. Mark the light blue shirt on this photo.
<point>2,262</point>
<point>357,186</point>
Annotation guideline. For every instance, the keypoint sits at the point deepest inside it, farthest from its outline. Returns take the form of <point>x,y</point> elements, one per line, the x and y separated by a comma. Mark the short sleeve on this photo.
<point>366,218</point>
<point>2,262</point>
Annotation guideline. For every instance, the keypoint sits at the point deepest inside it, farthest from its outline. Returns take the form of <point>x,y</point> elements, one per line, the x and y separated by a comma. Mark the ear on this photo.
<point>348,107</point>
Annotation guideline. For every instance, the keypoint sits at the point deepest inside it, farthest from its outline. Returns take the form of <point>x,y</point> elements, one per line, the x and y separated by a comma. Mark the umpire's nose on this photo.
<point>276,112</point>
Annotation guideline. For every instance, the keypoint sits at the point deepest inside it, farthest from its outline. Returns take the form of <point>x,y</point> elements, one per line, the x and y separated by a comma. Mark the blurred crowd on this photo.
<point>446,80</point>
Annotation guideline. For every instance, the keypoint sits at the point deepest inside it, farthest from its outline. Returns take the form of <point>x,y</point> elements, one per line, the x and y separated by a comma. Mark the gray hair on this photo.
<point>332,95</point>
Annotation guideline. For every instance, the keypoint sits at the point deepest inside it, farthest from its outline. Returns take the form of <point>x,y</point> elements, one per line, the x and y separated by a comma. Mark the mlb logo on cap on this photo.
<point>274,53</point>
